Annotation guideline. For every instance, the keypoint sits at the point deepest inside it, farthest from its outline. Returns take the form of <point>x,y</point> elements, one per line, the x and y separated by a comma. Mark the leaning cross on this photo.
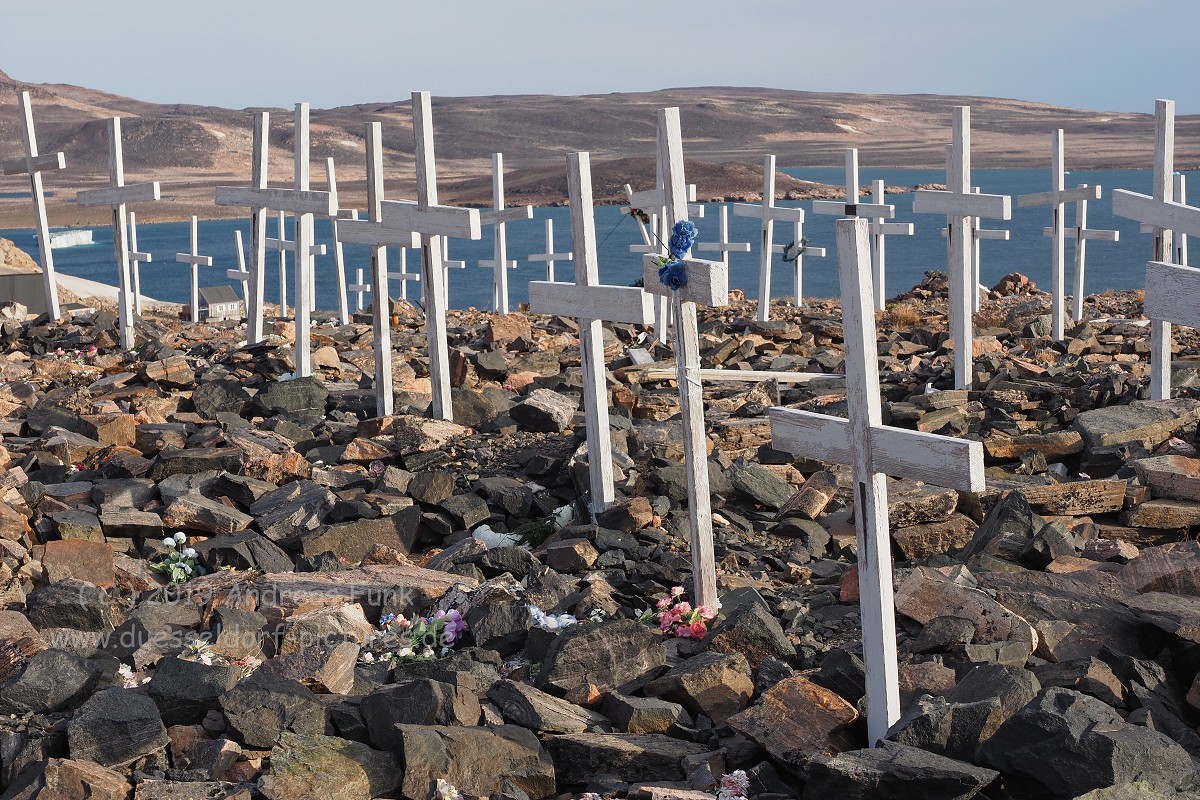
<point>874,451</point>
<point>371,232</point>
<point>33,164</point>
<point>304,203</point>
<point>1057,198</point>
<point>240,274</point>
<point>498,218</point>
<point>258,232</point>
<point>1166,216</point>
<point>961,206</point>
<point>880,230</point>
<point>196,261</point>
<point>116,195</point>
<point>549,257</point>
<point>136,258</point>
<point>723,245</point>
<point>592,303</point>
<point>768,214</point>
<point>708,283</point>
<point>339,258</point>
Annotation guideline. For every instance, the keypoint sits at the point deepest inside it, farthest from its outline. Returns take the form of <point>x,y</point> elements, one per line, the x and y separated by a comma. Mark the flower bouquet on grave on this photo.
<point>671,270</point>
<point>677,618</point>
<point>180,564</point>
<point>418,639</point>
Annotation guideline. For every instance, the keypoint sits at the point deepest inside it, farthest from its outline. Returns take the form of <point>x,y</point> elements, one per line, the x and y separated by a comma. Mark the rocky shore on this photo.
<point>221,582</point>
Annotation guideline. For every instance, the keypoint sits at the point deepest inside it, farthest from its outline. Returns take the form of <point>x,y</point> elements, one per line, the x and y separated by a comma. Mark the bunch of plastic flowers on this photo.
<point>423,638</point>
<point>671,270</point>
<point>180,564</point>
<point>551,622</point>
<point>734,786</point>
<point>676,616</point>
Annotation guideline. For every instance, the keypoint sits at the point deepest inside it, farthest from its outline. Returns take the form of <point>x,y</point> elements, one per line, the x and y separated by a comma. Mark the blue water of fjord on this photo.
<point>1110,265</point>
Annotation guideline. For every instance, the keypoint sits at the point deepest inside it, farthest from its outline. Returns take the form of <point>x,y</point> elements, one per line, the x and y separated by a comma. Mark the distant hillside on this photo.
<point>190,149</point>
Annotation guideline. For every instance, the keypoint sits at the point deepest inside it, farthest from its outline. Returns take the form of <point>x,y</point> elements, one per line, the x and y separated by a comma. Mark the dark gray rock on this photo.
<point>215,397</point>
<point>432,487</point>
<point>943,634</point>
<point>642,714</point>
<point>498,626</point>
<point>477,761</point>
<point>521,704</point>
<point>263,706</point>
<point>416,702</point>
<point>750,628</point>
<point>185,691</point>
<point>467,510</point>
<point>1012,516</point>
<point>633,758</point>
<point>603,657</point>
<point>894,771</point>
<point>353,540</point>
<point>763,486</point>
<point>243,550</point>
<point>71,604</point>
<point>52,680</point>
<point>545,411</point>
<point>116,727</point>
<point>299,395</point>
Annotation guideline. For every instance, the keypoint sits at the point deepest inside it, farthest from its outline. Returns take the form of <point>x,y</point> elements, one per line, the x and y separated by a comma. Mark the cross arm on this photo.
<point>707,281</point>
<point>1171,293</point>
<point>892,228</point>
<point>939,460</point>
<point>188,258</point>
<point>432,220</point>
<point>143,258</point>
<point>1054,198</point>
<point>115,195</point>
<point>953,204</point>
<point>653,198</point>
<point>237,275</point>
<point>22,166</point>
<point>1159,213</point>
<point>292,201</point>
<point>819,252</point>
<point>289,245</point>
<point>1095,234</point>
<point>505,215</point>
<point>551,257</point>
<point>723,247</point>
<point>765,212</point>
<point>363,231</point>
<point>611,303</point>
<point>840,208</point>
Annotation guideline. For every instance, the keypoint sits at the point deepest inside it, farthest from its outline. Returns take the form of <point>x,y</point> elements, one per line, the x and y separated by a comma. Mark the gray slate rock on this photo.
<point>71,604</point>
<point>545,411</point>
<point>52,680</point>
<point>416,702</point>
<point>608,656</point>
<point>263,706</point>
<point>116,727</point>
<point>185,691</point>
<point>894,771</point>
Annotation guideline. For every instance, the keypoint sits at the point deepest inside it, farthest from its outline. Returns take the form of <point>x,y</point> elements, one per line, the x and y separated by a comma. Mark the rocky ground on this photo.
<point>221,583</point>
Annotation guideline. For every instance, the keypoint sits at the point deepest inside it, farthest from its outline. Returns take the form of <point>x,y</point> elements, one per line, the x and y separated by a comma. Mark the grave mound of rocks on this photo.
<point>220,582</point>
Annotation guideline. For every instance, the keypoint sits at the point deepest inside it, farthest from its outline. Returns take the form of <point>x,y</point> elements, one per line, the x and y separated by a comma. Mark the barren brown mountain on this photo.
<point>191,149</point>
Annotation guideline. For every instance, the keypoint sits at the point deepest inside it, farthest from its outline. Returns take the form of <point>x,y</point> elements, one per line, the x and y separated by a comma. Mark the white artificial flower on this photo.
<point>190,552</point>
<point>180,537</point>
<point>169,542</point>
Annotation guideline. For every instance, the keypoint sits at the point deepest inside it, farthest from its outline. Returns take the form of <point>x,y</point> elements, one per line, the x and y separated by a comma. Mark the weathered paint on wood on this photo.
<point>33,164</point>
<point>549,257</point>
<point>195,261</point>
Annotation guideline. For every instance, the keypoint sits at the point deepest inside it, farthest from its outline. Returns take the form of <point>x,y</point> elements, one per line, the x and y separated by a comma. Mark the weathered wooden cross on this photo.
<point>549,257</point>
<point>961,206</point>
<point>723,245</point>
<point>33,165</point>
<point>1167,286</point>
<point>592,303</point>
<point>281,244</point>
<point>880,230</point>
<point>196,261</point>
<point>258,232</point>
<point>874,451</point>
<point>708,283</point>
<point>768,214</point>
<point>794,252</point>
<point>498,218</point>
<point>1081,234</point>
<point>304,203</point>
<point>1181,255</point>
<point>241,274</point>
<point>116,195</point>
<point>1057,198</point>
<point>978,234</point>
<point>136,257</point>
<point>339,258</point>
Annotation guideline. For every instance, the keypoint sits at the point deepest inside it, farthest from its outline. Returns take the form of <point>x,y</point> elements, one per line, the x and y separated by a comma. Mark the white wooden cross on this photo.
<point>1166,216</point>
<point>795,251</point>
<point>768,214</point>
<point>978,234</point>
<point>549,257</point>
<point>498,218</point>
<point>304,203</point>
<point>723,245</point>
<point>874,451</point>
<point>371,232</point>
<point>708,283</point>
<point>196,261</point>
<point>136,258</point>
<point>116,195</point>
<point>880,230</point>
<point>33,165</point>
<point>961,206</point>
<point>1181,254</point>
<point>592,303</point>
<point>1057,198</point>
<point>403,275</point>
<point>281,244</point>
<point>339,258</point>
<point>258,232</point>
<point>241,274</point>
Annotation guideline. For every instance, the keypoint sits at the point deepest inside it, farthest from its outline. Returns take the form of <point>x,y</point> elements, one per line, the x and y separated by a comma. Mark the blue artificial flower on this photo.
<point>673,274</point>
<point>683,236</point>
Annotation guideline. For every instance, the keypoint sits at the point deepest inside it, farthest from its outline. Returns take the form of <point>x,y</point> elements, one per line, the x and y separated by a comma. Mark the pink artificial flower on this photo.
<point>683,632</point>
<point>666,601</point>
<point>665,623</point>
<point>684,607</point>
<point>677,591</point>
<point>699,629</point>
<point>705,612</point>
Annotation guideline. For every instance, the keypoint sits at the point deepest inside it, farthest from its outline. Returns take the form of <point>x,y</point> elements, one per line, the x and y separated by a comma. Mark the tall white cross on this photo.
<point>591,303</point>
<point>136,257</point>
<point>768,214</point>
<point>281,244</point>
<point>1057,198</point>
<point>304,203</point>
<point>196,261</point>
<point>371,232</point>
<point>880,230</point>
<point>240,274</point>
<point>707,283</point>
<point>1166,216</point>
<point>723,245</point>
<point>549,257</point>
<point>33,165</point>
<point>961,206</point>
<point>874,451</point>
<point>498,218</point>
<point>339,258</point>
<point>116,195</point>
<point>403,275</point>
<point>1082,234</point>
<point>978,235</point>
<point>794,252</point>
<point>258,231</point>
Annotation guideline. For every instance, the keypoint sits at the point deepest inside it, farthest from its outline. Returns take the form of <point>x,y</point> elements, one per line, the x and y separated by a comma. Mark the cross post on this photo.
<point>723,245</point>
<point>33,165</point>
<point>339,258</point>
<point>880,229</point>
<point>961,206</point>
<point>800,251</point>
<point>240,274</point>
<point>281,245</point>
<point>258,231</point>
<point>592,303</point>
<point>136,257</point>
<point>708,283</point>
<point>116,195</point>
<point>196,261</point>
<point>874,451</point>
<point>768,214</point>
<point>498,218</point>
<point>549,257</point>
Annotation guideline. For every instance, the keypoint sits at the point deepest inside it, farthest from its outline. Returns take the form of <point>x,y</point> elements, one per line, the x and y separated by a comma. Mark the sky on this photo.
<point>1103,55</point>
